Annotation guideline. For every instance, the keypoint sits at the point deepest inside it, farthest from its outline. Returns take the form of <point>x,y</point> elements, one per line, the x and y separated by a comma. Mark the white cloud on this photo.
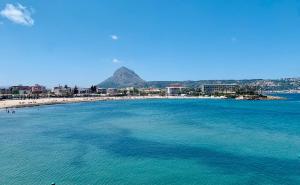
<point>114,37</point>
<point>116,61</point>
<point>18,14</point>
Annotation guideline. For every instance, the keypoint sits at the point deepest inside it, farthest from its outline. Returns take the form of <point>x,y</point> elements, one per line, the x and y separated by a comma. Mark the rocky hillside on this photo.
<point>123,77</point>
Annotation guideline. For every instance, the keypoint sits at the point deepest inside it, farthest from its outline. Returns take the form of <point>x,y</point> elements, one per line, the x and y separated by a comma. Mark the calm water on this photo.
<point>153,142</point>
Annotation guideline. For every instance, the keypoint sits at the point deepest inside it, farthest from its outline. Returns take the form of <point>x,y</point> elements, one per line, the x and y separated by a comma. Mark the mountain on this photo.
<point>123,77</point>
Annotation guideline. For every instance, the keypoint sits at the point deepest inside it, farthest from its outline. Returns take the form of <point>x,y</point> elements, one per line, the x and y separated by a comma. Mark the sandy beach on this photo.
<point>51,101</point>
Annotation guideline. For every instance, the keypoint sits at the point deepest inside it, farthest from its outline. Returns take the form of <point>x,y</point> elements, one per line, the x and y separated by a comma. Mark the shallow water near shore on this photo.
<point>153,142</point>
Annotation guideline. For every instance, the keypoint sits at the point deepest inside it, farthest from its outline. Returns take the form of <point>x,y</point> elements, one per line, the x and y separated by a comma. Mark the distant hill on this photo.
<point>198,83</point>
<point>264,84</point>
<point>123,77</point>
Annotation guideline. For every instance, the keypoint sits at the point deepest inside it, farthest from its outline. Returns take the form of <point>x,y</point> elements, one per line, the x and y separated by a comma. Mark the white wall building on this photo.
<point>175,90</point>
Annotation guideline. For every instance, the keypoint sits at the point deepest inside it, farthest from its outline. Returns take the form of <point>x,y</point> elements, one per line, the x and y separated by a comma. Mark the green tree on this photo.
<point>93,89</point>
<point>75,91</point>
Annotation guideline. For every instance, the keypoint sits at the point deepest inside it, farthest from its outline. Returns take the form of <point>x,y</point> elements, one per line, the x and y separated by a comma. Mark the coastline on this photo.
<point>266,97</point>
<point>52,101</point>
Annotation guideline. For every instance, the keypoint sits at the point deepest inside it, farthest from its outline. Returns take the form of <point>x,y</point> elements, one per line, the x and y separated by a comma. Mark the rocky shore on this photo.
<point>259,97</point>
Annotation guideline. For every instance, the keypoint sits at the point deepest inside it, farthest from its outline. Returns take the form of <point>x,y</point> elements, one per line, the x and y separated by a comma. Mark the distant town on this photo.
<point>125,82</point>
<point>218,90</point>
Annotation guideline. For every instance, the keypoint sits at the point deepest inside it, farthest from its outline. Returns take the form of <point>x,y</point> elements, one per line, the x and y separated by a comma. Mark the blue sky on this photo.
<point>83,42</point>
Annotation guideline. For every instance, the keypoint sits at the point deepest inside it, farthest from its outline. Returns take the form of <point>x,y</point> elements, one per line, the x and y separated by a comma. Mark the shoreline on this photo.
<point>53,101</point>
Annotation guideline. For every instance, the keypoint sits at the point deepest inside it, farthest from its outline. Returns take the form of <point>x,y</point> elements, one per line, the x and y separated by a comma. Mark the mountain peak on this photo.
<point>123,69</point>
<point>123,77</point>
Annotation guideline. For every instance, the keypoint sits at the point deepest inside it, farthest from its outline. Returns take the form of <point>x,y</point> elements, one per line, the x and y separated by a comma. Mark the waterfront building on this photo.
<point>219,88</point>
<point>84,91</point>
<point>151,91</point>
<point>112,91</point>
<point>38,89</point>
<point>101,90</point>
<point>4,91</point>
<point>20,90</point>
<point>175,90</point>
<point>131,91</point>
<point>62,91</point>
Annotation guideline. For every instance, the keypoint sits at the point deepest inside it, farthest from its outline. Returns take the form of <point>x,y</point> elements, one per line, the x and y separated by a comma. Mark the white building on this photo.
<point>175,90</point>
<point>21,90</point>
<point>101,91</point>
<point>62,91</point>
<point>152,91</point>
<point>84,91</point>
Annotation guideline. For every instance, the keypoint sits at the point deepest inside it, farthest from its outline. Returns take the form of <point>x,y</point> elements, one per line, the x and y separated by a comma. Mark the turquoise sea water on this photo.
<point>153,142</point>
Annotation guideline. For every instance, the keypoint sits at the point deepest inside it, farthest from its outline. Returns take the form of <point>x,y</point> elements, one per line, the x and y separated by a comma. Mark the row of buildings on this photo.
<point>172,90</point>
<point>213,89</point>
<point>23,90</point>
